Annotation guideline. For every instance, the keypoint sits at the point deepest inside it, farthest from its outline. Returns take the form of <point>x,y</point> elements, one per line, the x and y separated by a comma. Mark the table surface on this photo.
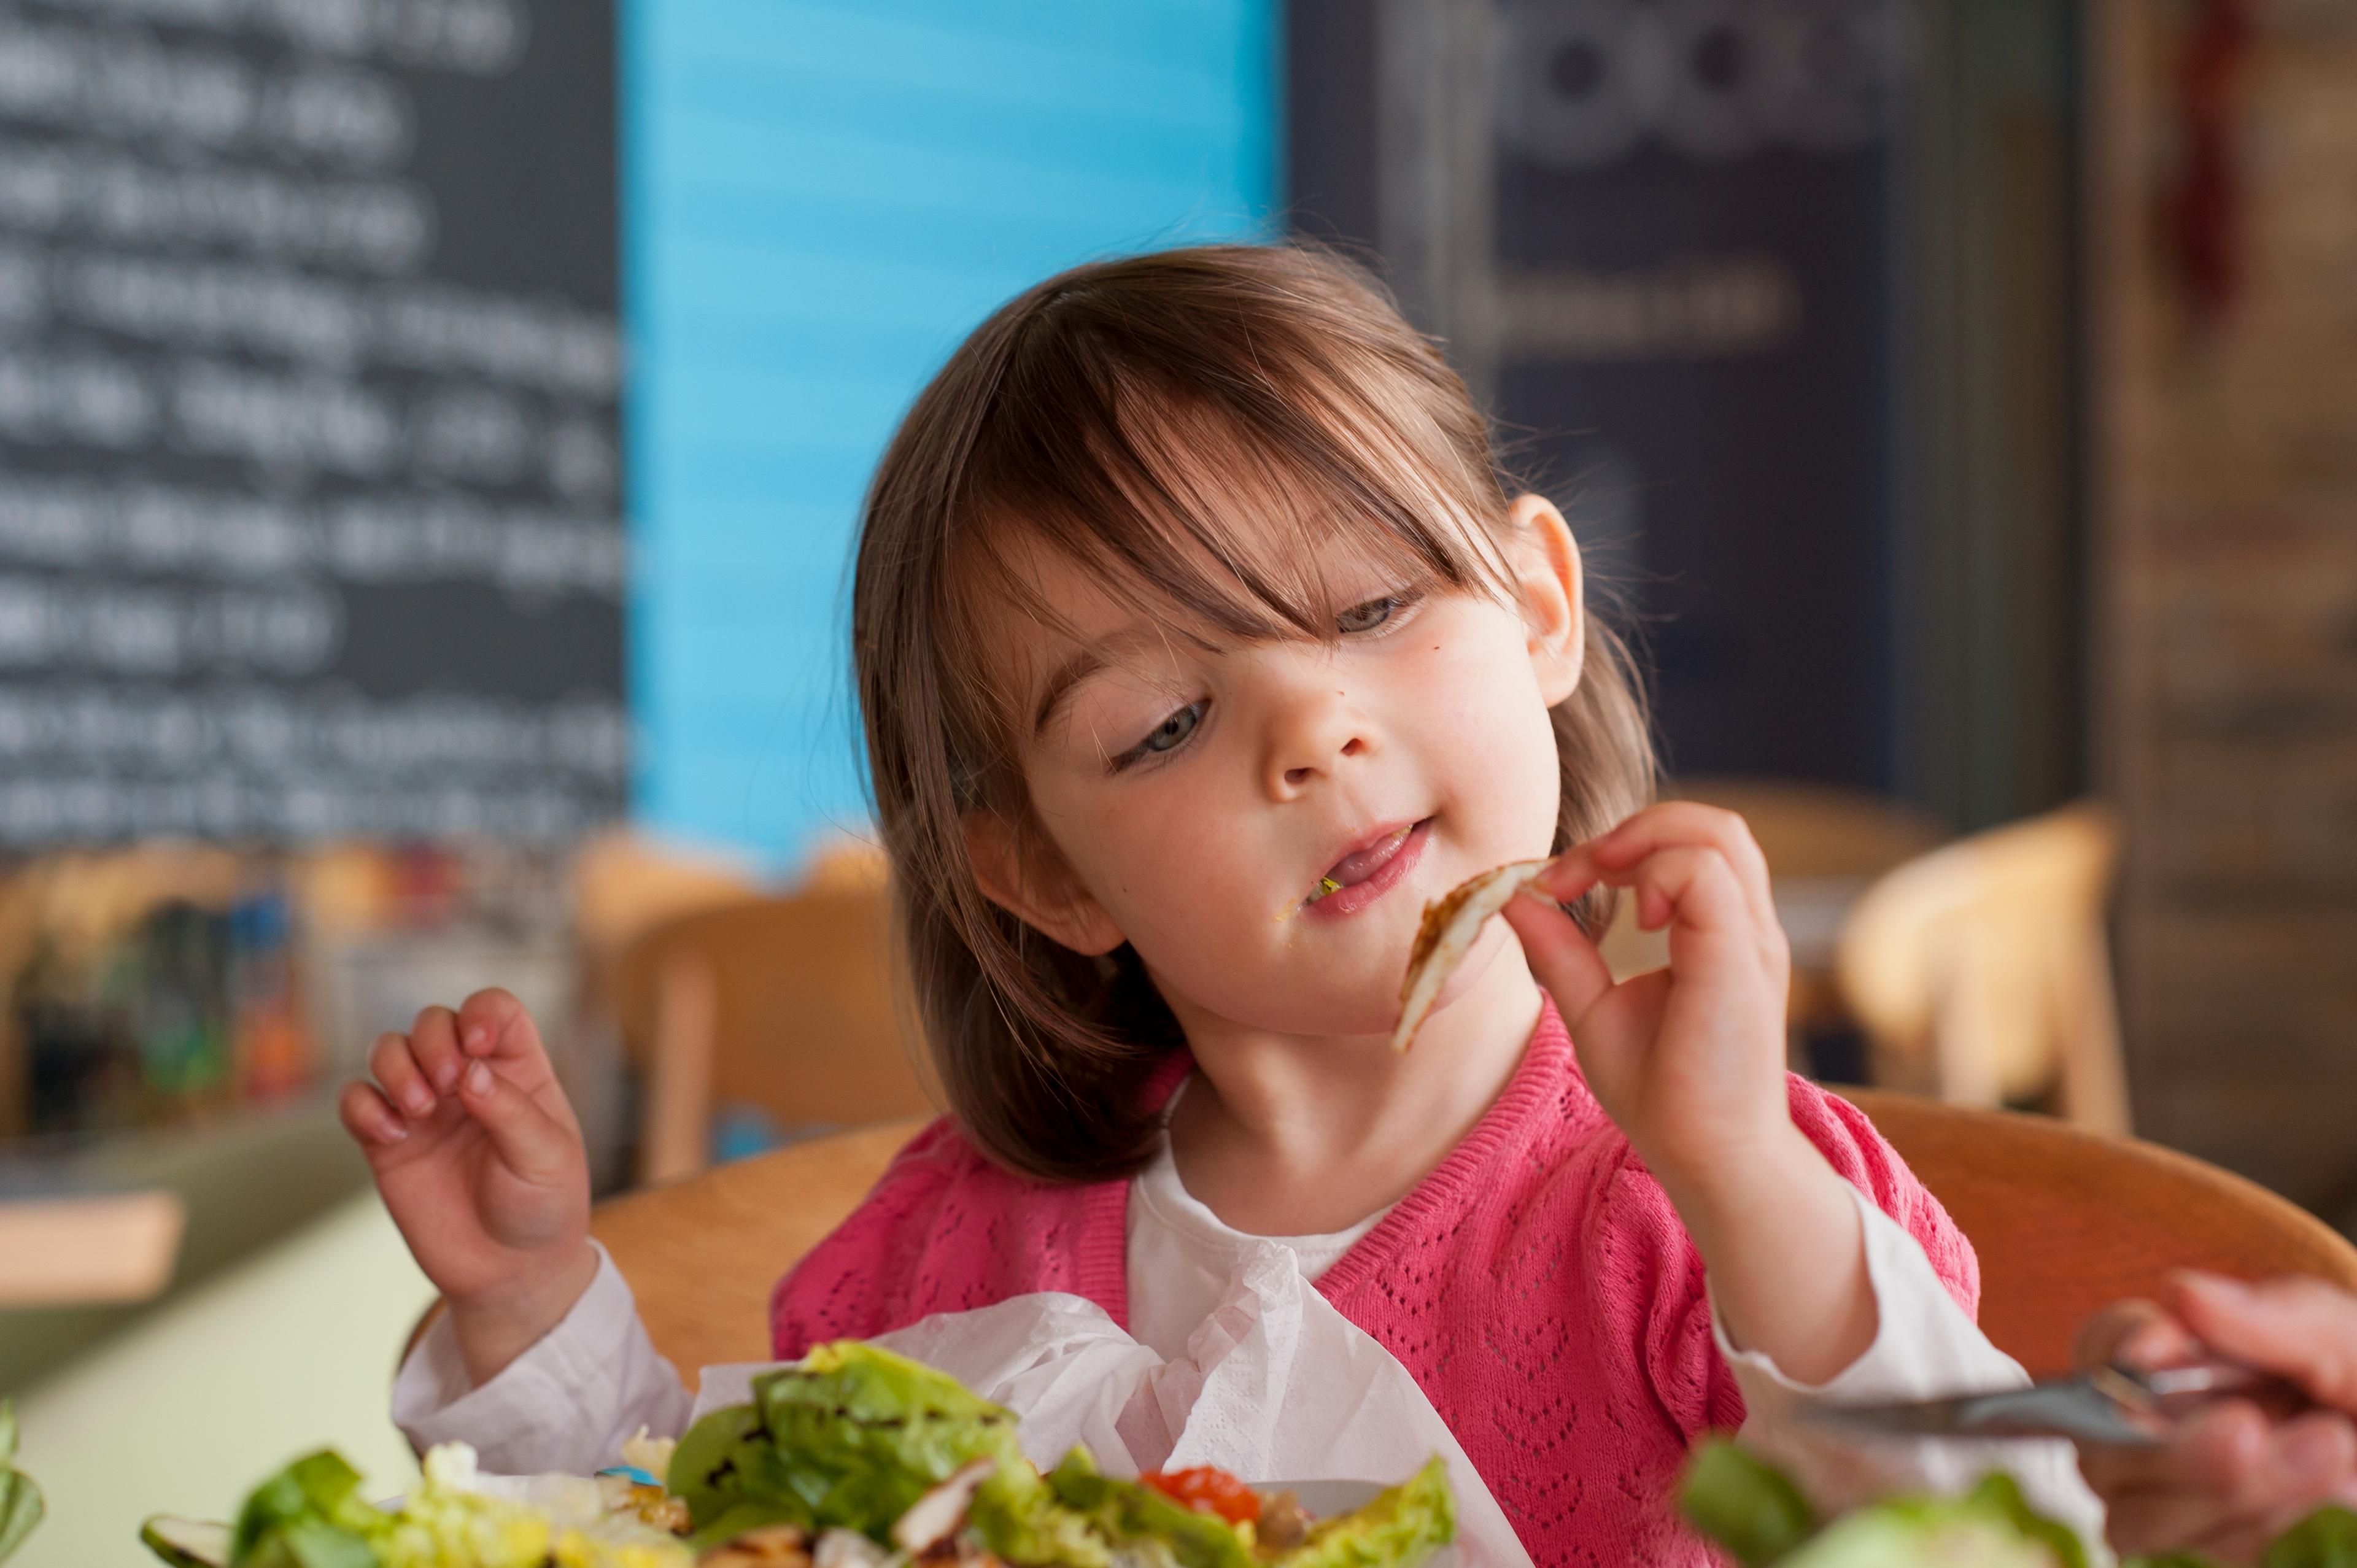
<point>247,1181</point>
<point>289,1351</point>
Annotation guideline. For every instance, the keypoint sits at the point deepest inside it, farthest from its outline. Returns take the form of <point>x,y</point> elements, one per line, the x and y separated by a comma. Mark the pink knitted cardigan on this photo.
<point>1538,1286</point>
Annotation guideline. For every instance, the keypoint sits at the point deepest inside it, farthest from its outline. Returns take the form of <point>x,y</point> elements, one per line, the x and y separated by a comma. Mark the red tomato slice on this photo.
<point>1207,1489</point>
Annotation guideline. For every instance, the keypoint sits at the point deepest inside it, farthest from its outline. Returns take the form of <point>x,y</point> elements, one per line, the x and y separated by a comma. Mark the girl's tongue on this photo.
<point>1356,868</point>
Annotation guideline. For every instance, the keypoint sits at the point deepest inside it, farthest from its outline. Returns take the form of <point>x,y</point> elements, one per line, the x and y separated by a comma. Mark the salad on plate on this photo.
<point>853,1458</point>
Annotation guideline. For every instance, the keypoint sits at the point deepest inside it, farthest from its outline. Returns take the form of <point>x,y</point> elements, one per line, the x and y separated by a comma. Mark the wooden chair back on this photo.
<point>703,1254</point>
<point>791,1005</point>
<point>625,884</point>
<point>1823,845</point>
<point>1820,829</point>
<point>2067,1221</point>
<point>1981,972</point>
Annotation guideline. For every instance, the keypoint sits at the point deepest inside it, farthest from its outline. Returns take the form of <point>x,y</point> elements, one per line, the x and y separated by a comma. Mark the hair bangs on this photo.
<point>1218,502</point>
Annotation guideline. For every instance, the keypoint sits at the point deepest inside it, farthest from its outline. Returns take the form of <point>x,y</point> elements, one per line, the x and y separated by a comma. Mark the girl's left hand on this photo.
<point>1688,1060</point>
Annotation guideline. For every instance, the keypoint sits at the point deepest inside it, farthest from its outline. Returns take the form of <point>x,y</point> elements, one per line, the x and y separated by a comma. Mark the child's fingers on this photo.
<point>398,1074</point>
<point>1568,875</point>
<point>1694,891</point>
<point>493,1024</point>
<point>1690,886</point>
<point>528,1140</point>
<point>1560,954</point>
<point>434,1044</point>
<point>1675,823</point>
<point>368,1118</point>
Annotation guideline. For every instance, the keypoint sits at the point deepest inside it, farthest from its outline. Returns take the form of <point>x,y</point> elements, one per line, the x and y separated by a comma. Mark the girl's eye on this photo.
<point>1369,616</point>
<point>1175,728</point>
<point>1167,735</point>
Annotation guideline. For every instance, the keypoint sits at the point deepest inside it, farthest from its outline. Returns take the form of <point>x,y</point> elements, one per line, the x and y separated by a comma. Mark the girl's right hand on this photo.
<point>481,1165</point>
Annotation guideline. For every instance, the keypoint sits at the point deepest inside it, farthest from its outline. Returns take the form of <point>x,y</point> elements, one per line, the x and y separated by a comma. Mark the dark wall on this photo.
<point>309,449</point>
<point>1692,350</point>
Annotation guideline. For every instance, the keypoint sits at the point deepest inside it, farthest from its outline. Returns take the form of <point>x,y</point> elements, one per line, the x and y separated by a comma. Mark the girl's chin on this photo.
<point>1309,1012</point>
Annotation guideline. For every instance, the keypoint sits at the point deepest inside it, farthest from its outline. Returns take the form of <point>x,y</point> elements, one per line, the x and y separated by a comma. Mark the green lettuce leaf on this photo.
<point>870,1431</point>
<point>186,1543</point>
<point>1752,1511</point>
<point>2325,1539</point>
<point>312,1491</point>
<point>1748,1507</point>
<point>1399,1529</point>
<point>310,1543</point>
<point>1999,1495</point>
<point>21,1499</point>
<point>1990,1526</point>
<point>1755,1512</point>
<point>1133,1511</point>
<point>849,1437</point>
<point>301,1517</point>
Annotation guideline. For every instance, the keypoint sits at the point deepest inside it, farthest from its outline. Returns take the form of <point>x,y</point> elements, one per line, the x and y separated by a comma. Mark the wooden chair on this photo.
<point>703,1254</point>
<point>625,884</point>
<point>2065,1222</point>
<point>1820,829</point>
<point>790,1004</point>
<point>1981,972</point>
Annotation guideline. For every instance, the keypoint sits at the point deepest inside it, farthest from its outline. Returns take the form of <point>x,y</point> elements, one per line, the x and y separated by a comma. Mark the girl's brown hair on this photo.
<point>1127,414</point>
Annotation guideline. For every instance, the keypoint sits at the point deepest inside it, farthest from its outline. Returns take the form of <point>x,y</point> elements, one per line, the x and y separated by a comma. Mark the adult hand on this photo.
<point>2233,1478</point>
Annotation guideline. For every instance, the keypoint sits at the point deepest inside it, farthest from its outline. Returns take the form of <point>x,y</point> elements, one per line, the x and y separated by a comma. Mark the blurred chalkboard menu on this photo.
<point>310,450</point>
<point>1694,276</point>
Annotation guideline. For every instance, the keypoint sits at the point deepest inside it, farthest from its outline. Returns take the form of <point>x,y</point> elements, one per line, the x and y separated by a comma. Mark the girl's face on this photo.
<point>1263,822</point>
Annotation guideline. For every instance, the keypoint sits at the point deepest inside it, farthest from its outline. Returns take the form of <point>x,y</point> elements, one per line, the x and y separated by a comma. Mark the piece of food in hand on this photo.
<point>1451,923</point>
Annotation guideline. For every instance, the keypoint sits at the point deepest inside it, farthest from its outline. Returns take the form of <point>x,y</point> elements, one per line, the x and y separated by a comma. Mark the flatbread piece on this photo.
<point>1451,922</point>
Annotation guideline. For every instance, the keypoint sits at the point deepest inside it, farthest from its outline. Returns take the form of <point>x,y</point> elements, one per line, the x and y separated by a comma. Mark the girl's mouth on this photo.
<point>1358,879</point>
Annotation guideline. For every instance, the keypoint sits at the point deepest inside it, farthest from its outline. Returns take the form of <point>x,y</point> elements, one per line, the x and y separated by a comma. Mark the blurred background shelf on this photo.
<point>252,1178</point>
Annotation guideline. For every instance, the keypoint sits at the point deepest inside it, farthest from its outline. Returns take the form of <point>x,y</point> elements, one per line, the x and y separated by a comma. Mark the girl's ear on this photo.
<point>1547,566</point>
<point>1023,874</point>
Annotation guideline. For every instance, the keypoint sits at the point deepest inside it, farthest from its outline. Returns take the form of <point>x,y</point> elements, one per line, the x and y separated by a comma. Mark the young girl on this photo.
<point>1199,644</point>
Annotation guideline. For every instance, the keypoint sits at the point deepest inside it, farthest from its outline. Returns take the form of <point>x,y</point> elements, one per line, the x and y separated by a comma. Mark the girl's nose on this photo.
<point>1311,735</point>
